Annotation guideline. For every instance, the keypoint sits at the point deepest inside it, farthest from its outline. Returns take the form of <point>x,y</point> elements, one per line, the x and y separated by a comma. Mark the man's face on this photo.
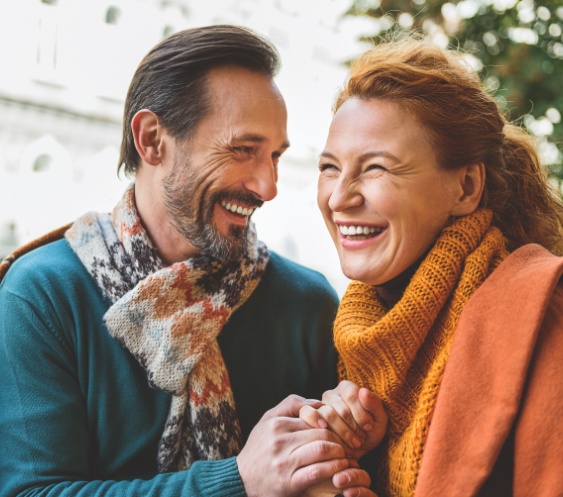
<point>228,167</point>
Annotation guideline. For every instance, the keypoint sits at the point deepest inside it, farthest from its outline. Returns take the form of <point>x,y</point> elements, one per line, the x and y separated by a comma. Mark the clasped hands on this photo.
<point>285,457</point>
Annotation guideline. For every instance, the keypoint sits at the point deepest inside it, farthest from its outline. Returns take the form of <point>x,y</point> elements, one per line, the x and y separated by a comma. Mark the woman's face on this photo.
<point>382,195</point>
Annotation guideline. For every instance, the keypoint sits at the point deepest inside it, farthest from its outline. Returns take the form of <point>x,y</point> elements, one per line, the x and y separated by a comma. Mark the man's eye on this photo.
<point>243,150</point>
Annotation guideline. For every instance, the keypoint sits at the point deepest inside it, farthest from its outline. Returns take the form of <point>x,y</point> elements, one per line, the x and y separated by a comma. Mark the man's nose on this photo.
<point>262,179</point>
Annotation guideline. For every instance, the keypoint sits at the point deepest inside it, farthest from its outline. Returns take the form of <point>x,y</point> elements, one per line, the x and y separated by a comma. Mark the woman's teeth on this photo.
<point>237,209</point>
<point>359,230</point>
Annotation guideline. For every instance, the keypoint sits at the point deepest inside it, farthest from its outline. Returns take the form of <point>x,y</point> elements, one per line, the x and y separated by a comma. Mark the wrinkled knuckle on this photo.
<point>328,413</point>
<point>307,412</point>
<point>345,384</point>
<point>328,395</point>
<point>350,392</point>
<point>313,474</point>
<point>326,449</point>
<point>294,399</point>
<point>277,425</point>
<point>277,445</point>
<point>324,435</point>
<point>322,448</point>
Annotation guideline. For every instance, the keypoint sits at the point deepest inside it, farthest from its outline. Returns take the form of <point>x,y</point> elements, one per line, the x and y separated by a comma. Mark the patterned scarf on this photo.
<point>401,353</point>
<point>169,319</point>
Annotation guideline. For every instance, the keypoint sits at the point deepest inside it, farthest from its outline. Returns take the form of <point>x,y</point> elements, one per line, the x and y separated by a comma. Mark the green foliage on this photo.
<point>518,42</point>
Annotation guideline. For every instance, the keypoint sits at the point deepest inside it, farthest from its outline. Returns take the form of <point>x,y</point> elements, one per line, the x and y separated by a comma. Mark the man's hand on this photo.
<point>284,456</point>
<point>352,482</point>
<point>355,414</point>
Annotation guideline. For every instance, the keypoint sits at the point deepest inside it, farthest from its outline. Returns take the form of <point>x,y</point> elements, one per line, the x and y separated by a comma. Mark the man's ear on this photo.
<point>472,179</point>
<point>148,134</point>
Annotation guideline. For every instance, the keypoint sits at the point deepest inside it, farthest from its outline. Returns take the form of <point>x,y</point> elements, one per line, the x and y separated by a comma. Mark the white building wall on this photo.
<point>64,72</point>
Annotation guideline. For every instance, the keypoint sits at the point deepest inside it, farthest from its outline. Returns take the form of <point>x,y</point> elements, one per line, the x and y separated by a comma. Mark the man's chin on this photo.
<point>227,248</point>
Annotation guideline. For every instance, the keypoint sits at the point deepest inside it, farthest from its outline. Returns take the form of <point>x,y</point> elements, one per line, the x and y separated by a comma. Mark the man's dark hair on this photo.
<point>171,80</point>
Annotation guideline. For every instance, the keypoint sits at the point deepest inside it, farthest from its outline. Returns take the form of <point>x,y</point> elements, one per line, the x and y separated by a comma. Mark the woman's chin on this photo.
<point>356,273</point>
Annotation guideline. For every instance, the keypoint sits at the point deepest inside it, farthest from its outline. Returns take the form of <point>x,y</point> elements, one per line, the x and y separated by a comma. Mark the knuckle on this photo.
<point>305,412</point>
<point>294,399</point>
<point>321,448</point>
<point>323,435</point>
<point>326,449</point>
<point>279,466</point>
<point>350,392</point>
<point>277,425</point>
<point>329,413</point>
<point>313,474</point>
<point>328,394</point>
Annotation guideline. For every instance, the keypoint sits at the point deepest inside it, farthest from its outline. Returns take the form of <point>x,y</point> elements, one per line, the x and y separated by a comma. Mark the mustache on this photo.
<point>238,197</point>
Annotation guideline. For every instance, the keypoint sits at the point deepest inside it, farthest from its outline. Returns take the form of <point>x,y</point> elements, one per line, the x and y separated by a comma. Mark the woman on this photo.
<point>441,214</point>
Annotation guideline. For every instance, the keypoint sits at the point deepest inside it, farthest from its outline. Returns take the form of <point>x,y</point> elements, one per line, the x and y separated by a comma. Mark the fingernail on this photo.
<point>342,479</point>
<point>356,442</point>
<point>322,423</point>
<point>367,427</point>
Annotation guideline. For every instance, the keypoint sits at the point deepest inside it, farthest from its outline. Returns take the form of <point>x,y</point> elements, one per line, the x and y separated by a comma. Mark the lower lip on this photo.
<point>359,244</point>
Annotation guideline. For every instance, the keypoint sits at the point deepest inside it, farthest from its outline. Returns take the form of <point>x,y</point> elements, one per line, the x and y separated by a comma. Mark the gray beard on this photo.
<point>197,226</point>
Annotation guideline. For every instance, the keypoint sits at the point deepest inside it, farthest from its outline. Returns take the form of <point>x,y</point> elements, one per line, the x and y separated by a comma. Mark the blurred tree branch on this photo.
<point>518,50</point>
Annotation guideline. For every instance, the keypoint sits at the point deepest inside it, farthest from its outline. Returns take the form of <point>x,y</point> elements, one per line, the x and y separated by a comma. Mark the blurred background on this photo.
<point>65,66</point>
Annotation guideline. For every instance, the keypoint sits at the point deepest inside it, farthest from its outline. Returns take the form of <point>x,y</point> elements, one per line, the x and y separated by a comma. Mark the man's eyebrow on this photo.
<point>257,139</point>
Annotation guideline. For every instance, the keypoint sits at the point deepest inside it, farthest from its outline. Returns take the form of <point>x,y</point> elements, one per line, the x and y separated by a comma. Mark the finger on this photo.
<point>334,399</point>
<point>338,426</point>
<point>371,403</point>
<point>352,395</point>
<point>312,417</point>
<point>351,477</point>
<point>354,463</point>
<point>290,407</point>
<point>306,476</point>
<point>358,492</point>
<point>313,445</point>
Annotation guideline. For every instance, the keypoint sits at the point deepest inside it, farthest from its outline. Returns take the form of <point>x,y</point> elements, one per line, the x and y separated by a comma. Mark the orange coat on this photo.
<point>503,386</point>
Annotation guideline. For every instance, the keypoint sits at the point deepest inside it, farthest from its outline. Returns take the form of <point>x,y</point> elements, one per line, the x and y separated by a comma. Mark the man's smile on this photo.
<point>238,209</point>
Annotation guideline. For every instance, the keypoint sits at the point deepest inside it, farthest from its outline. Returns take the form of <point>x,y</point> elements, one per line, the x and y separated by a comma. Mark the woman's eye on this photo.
<point>327,167</point>
<point>375,167</point>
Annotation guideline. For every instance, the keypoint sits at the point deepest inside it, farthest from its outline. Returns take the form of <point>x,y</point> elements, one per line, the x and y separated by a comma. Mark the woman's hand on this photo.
<point>355,414</point>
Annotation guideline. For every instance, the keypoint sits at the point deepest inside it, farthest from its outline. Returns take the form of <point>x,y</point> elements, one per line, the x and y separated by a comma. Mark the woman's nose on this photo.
<point>346,195</point>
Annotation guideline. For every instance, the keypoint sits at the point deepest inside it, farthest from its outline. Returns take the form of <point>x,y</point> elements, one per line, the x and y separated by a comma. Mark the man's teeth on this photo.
<point>243,211</point>
<point>359,230</point>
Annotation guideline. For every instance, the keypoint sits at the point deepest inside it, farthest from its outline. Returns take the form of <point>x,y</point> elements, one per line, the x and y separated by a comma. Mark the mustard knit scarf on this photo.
<point>169,319</point>
<point>401,353</point>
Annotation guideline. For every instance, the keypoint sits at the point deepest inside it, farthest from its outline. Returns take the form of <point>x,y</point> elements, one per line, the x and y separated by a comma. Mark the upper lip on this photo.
<point>357,223</point>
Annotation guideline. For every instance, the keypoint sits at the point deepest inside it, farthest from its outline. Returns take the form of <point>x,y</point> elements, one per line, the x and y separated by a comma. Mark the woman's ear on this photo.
<point>148,136</point>
<point>472,179</point>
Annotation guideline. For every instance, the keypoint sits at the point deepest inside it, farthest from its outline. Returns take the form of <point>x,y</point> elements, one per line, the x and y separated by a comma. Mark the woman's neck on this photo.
<point>392,291</point>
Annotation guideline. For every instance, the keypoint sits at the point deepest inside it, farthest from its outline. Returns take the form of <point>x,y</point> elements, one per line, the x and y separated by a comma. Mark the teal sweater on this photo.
<point>77,416</point>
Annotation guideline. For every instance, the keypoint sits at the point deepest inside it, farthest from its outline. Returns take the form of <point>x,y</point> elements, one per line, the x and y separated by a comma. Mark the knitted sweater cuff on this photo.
<point>222,478</point>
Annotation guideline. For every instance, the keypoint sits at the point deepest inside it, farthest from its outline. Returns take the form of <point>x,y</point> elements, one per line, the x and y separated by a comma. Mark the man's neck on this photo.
<point>171,246</point>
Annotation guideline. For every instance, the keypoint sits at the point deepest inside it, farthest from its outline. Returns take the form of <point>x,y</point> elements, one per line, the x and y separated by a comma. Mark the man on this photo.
<point>139,351</point>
